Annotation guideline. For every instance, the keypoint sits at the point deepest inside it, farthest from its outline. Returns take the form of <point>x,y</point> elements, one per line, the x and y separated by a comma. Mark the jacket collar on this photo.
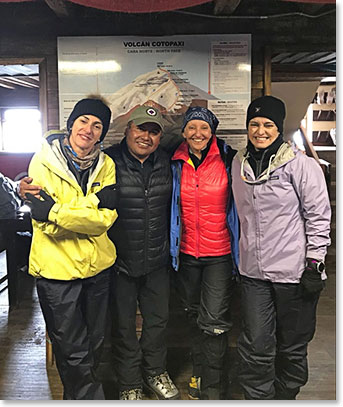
<point>53,158</point>
<point>284,154</point>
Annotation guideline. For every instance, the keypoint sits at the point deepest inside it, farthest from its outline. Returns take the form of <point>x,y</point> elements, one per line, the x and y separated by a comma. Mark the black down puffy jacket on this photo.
<point>141,232</point>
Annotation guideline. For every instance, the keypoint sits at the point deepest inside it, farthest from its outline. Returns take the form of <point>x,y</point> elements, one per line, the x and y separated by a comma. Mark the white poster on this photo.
<point>230,113</point>
<point>236,141</point>
<point>171,73</point>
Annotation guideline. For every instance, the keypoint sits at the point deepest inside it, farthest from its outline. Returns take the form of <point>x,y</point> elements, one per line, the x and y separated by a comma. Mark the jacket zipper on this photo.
<point>178,242</point>
<point>258,230</point>
<point>146,227</point>
<point>196,215</point>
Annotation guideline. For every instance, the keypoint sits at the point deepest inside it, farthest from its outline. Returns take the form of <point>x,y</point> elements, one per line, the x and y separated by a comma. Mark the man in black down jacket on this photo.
<point>141,270</point>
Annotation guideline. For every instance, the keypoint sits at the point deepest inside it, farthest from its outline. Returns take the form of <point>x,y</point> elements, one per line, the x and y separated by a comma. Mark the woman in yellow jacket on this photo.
<point>71,254</point>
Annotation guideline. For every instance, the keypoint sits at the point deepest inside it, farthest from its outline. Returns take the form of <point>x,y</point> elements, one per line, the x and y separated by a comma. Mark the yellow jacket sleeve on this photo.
<point>82,216</point>
<point>72,211</point>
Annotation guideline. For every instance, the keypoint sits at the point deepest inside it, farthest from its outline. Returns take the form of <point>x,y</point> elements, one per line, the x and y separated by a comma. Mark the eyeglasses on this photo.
<point>261,180</point>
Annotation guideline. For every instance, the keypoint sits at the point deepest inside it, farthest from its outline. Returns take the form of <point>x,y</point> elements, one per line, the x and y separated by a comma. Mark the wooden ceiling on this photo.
<point>19,76</point>
<point>64,8</point>
<point>259,17</point>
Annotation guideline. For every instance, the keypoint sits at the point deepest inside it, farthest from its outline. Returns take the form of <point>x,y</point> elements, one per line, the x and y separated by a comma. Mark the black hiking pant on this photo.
<point>206,287</point>
<point>75,315</point>
<point>278,323</point>
<point>145,356</point>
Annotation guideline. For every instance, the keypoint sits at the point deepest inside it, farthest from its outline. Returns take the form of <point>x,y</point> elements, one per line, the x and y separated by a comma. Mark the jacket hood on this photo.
<point>52,157</point>
<point>285,154</point>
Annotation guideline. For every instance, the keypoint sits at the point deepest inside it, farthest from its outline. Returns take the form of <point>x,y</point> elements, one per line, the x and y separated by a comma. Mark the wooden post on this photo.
<point>267,71</point>
<point>43,94</point>
<point>50,358</point>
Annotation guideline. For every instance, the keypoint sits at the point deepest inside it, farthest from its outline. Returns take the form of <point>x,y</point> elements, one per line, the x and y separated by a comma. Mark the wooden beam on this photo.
<point>20,61</point>
<point>323,126</point>
<point>324,107</point>
<point>297,76</point>
<point>34,77</point>
<point>33,80</point>
<point>43,94</point>
<point>7,86</point>
<point>18,82</point>
<point>267,71</point>
<point>329,69</point>
<point>59,7</point>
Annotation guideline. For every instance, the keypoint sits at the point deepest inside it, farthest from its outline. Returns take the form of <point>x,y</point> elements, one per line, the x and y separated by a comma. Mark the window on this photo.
<point>20,130</point>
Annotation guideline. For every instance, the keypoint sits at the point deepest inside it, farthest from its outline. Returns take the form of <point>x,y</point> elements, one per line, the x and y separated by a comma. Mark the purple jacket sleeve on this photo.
<point>310,185</point>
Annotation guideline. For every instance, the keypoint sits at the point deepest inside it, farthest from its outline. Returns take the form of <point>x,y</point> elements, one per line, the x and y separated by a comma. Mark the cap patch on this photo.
<point>151,112</point>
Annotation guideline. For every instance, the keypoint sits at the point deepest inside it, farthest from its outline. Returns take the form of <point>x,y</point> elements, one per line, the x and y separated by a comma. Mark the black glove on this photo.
<point>40,208</point>
<point>311,280</point>
<point>108,197</point>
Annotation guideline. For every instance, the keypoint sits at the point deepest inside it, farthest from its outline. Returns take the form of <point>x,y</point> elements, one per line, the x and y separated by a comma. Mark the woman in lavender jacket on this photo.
<point>284,213</point>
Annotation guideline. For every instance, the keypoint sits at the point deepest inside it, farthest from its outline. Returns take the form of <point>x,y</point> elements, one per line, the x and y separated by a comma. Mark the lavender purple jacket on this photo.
<point>283,220</point>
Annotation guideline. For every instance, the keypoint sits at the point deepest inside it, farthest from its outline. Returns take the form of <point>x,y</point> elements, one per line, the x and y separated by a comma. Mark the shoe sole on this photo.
<point>193,398</point>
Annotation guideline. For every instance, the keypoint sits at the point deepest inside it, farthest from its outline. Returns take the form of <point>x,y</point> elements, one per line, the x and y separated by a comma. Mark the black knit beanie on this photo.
<point>95,107</point>
<point>270,107</point>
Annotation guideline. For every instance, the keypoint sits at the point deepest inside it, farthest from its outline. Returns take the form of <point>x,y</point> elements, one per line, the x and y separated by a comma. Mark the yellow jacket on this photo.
<point>73,243</point>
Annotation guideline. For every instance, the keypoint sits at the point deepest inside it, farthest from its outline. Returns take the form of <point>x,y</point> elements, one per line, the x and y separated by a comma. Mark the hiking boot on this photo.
<point>131,394</point>
<point>194,388</point>
<point>163,386</point>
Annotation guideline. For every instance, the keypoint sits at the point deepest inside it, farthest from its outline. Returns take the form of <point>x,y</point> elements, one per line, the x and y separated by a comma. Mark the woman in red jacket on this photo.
<point>202,246</point>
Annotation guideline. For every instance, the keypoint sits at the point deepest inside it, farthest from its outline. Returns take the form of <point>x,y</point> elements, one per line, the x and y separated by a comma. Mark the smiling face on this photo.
<point>197,134</point>
<point>262,132</point>
<point>143,140</point>
<point>85,132</point>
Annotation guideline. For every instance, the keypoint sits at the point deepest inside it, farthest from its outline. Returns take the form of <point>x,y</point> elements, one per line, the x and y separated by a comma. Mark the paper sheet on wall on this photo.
<point>236,141</point>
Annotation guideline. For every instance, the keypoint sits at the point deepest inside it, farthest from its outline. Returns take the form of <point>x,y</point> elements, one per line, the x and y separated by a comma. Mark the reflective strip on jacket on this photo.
<point>176,224</point>
<point>283,220</point>
<point>73,243</point>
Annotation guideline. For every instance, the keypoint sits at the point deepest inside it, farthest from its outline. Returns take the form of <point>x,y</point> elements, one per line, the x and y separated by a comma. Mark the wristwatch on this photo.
<point>317,265</point>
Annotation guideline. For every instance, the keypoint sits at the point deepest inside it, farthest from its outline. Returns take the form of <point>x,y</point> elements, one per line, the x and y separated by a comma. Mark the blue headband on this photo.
<point>201,113</point>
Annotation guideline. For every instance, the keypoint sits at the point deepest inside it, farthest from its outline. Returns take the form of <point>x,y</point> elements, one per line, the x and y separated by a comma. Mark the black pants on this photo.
<point>278,324</point>
<point>206,287</point>
<point>75,316</point>
<point>145,356</point>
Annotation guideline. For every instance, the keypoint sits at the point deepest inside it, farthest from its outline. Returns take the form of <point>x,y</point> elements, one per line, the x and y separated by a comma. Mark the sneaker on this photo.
<point>194,388</point>
<point>163,386</point>
<point>131,394</point>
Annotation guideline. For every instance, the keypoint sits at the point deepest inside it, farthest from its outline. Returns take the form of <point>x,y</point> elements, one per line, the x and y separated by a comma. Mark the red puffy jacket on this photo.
<point>204,198</point>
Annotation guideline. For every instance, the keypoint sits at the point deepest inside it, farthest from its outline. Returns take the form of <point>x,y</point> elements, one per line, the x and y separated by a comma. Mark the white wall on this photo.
<point>297,97</point>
